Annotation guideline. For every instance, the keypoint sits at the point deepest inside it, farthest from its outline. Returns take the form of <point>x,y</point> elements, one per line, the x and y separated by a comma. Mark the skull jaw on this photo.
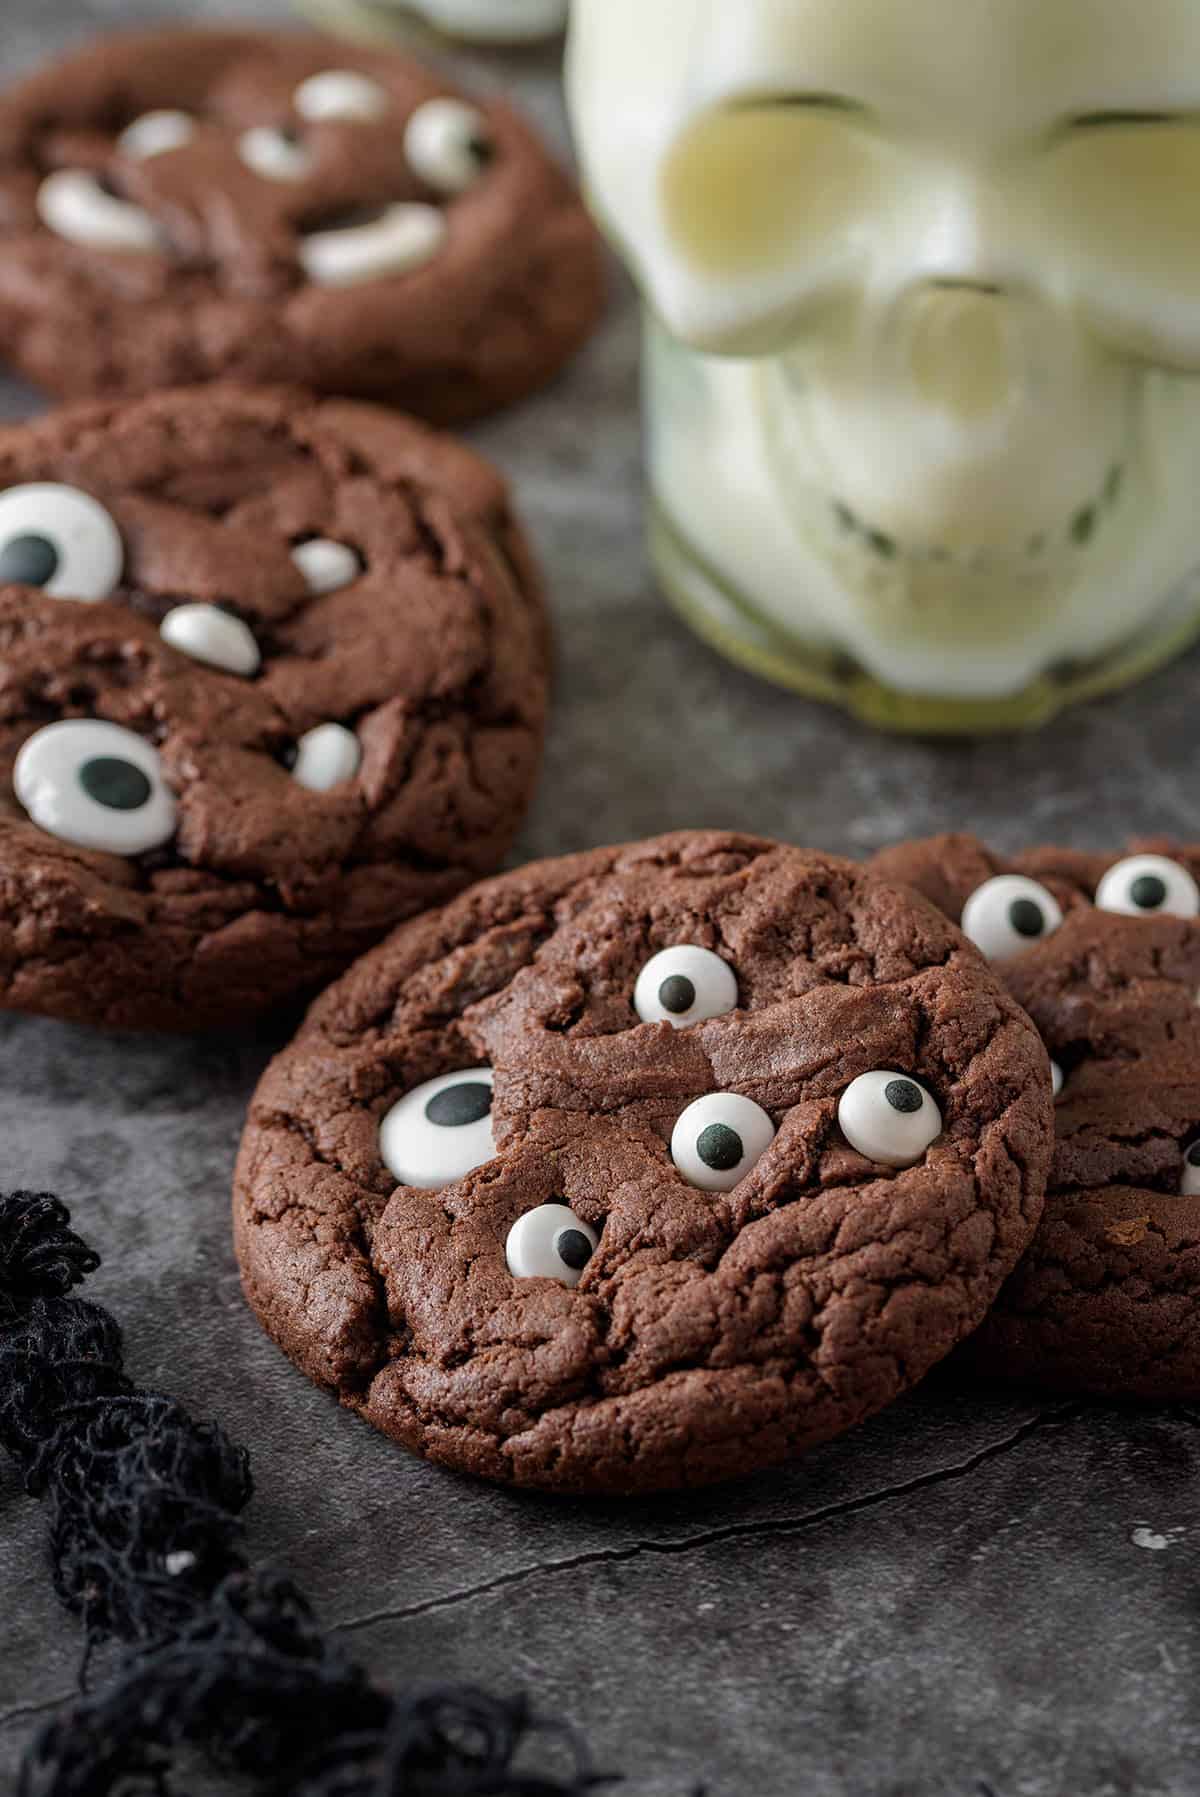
<point>765,561</point>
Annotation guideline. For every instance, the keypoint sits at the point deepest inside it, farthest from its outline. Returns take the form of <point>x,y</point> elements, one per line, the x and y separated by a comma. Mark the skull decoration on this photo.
<point>923,290</point>
<point>476,21</point>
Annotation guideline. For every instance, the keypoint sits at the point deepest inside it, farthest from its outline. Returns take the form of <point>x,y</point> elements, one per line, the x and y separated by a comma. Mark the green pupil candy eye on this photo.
<point>116,784</point>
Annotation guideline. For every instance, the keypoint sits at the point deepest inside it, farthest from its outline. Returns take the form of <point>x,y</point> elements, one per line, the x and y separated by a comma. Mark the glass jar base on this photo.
<point>718,615</point>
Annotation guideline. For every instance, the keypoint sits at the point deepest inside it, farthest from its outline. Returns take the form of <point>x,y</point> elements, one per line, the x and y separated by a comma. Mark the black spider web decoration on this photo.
<point>145,1541</point>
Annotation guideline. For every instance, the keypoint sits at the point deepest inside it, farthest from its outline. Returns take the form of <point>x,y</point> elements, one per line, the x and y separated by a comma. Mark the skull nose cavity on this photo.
<point>962,354</point>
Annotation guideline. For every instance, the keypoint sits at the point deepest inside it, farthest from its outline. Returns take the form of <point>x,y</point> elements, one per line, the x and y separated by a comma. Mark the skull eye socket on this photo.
<point>889,1117</point>
<point>1007,915</point>
<point>1149,886</point>
<point>60,540</point>
<point>95,785</point>
<point>768,194</point>
<point>550,1242</point>
<point>1121,189</point>
<point>719,1139</point>
<point>685,985</point>
<point>440,1131</point>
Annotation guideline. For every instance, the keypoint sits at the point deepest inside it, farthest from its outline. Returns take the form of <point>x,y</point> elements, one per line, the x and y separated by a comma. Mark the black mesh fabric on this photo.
<point>145,1541</point>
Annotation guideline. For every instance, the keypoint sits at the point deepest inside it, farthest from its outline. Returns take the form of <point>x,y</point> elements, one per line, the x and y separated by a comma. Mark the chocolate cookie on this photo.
<point>645,1167</point>
<point>182,206</point>
<point>1104,954</point>
<point>272,677</point>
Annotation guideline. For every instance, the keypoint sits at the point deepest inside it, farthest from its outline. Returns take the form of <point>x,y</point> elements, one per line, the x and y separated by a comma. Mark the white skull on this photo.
<point>924,287</point>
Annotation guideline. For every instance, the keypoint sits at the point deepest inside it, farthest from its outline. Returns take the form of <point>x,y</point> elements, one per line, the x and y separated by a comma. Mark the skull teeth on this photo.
<point>1078,533</point>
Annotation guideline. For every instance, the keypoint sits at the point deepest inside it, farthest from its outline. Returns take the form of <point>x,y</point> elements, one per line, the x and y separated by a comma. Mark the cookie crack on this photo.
<point>1061,1414</point>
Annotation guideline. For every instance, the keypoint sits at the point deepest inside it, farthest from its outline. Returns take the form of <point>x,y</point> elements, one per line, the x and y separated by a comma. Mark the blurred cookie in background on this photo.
<point>182,206</point>
<point>272,678</point>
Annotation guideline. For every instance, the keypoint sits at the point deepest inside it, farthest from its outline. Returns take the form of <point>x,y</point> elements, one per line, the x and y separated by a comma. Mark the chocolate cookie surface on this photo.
<point>1103,951</point>
<point>645,1167</point>
<point>181,206</point>
<point>272,677</point>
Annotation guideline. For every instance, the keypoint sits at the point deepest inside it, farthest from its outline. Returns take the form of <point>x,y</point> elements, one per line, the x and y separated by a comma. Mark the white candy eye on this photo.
<point>327,566</point>
<point>213,636</point>
<point>1189,1186</point>
<point>275,155</point>
<point>340,94</point>
<point>889,1118</point>
<point>60,540</point>
<point>74,205</point>
<point>95,785</point>
<point>154,134</point>
<point>1149,886</point>
<point>1058,1079</point>
<point>685,985</point>
<point>325,757</point>
<point>719,1138</point>
<point>402,238</point>
<point>448,145</point>
<point>1006,915</point>
<point>441,1131</point>
<point>550,1242</point>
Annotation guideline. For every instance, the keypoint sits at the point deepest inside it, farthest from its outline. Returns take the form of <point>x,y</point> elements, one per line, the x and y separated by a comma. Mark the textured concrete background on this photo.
<point>977,1594</point>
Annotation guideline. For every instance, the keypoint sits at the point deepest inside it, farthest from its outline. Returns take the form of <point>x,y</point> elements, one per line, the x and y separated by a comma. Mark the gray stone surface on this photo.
<point>975,1594</point>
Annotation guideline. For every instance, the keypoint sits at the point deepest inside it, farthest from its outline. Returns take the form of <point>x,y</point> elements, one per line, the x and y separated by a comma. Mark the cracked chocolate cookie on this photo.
<point>645,1167</point>
<point>1103,952</point>
<point>272,678</point>
<point>182,206</point>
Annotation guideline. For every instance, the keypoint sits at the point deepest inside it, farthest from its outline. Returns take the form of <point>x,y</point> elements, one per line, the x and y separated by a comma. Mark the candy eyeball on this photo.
<point>340,94</point>
<point>889,1118</point>
<point>1058,1079</point>
<point>550,1242</point>
<point>156,133</point>
<point>1149,886</point>
<point>274,154</point>
<point>326,757</point>
<point>441,1131</point>
<point>719,1139</point>
<point>1007,915</point>
<point>1189,1186</point>
<point>685,985</point>
<point>60,540</point>
<point>327,566</point>
<point>215,637</point>
<point>402,238</point>
<point>76,206</point>
<point>95,785</point>
<point>448,145</point>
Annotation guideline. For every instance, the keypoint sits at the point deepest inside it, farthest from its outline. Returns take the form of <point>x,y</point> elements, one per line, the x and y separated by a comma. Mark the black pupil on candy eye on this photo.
<point>1193,1155</point>
<point>677,995</point>
<point>1025,916</point>
<point>28,561</point>
<point>573,1248</point>
<point>720,1147</point>
<point>118,785</point>
<point>1148,892</point>
<point>459,1105</point>
<point>903,1096</point>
